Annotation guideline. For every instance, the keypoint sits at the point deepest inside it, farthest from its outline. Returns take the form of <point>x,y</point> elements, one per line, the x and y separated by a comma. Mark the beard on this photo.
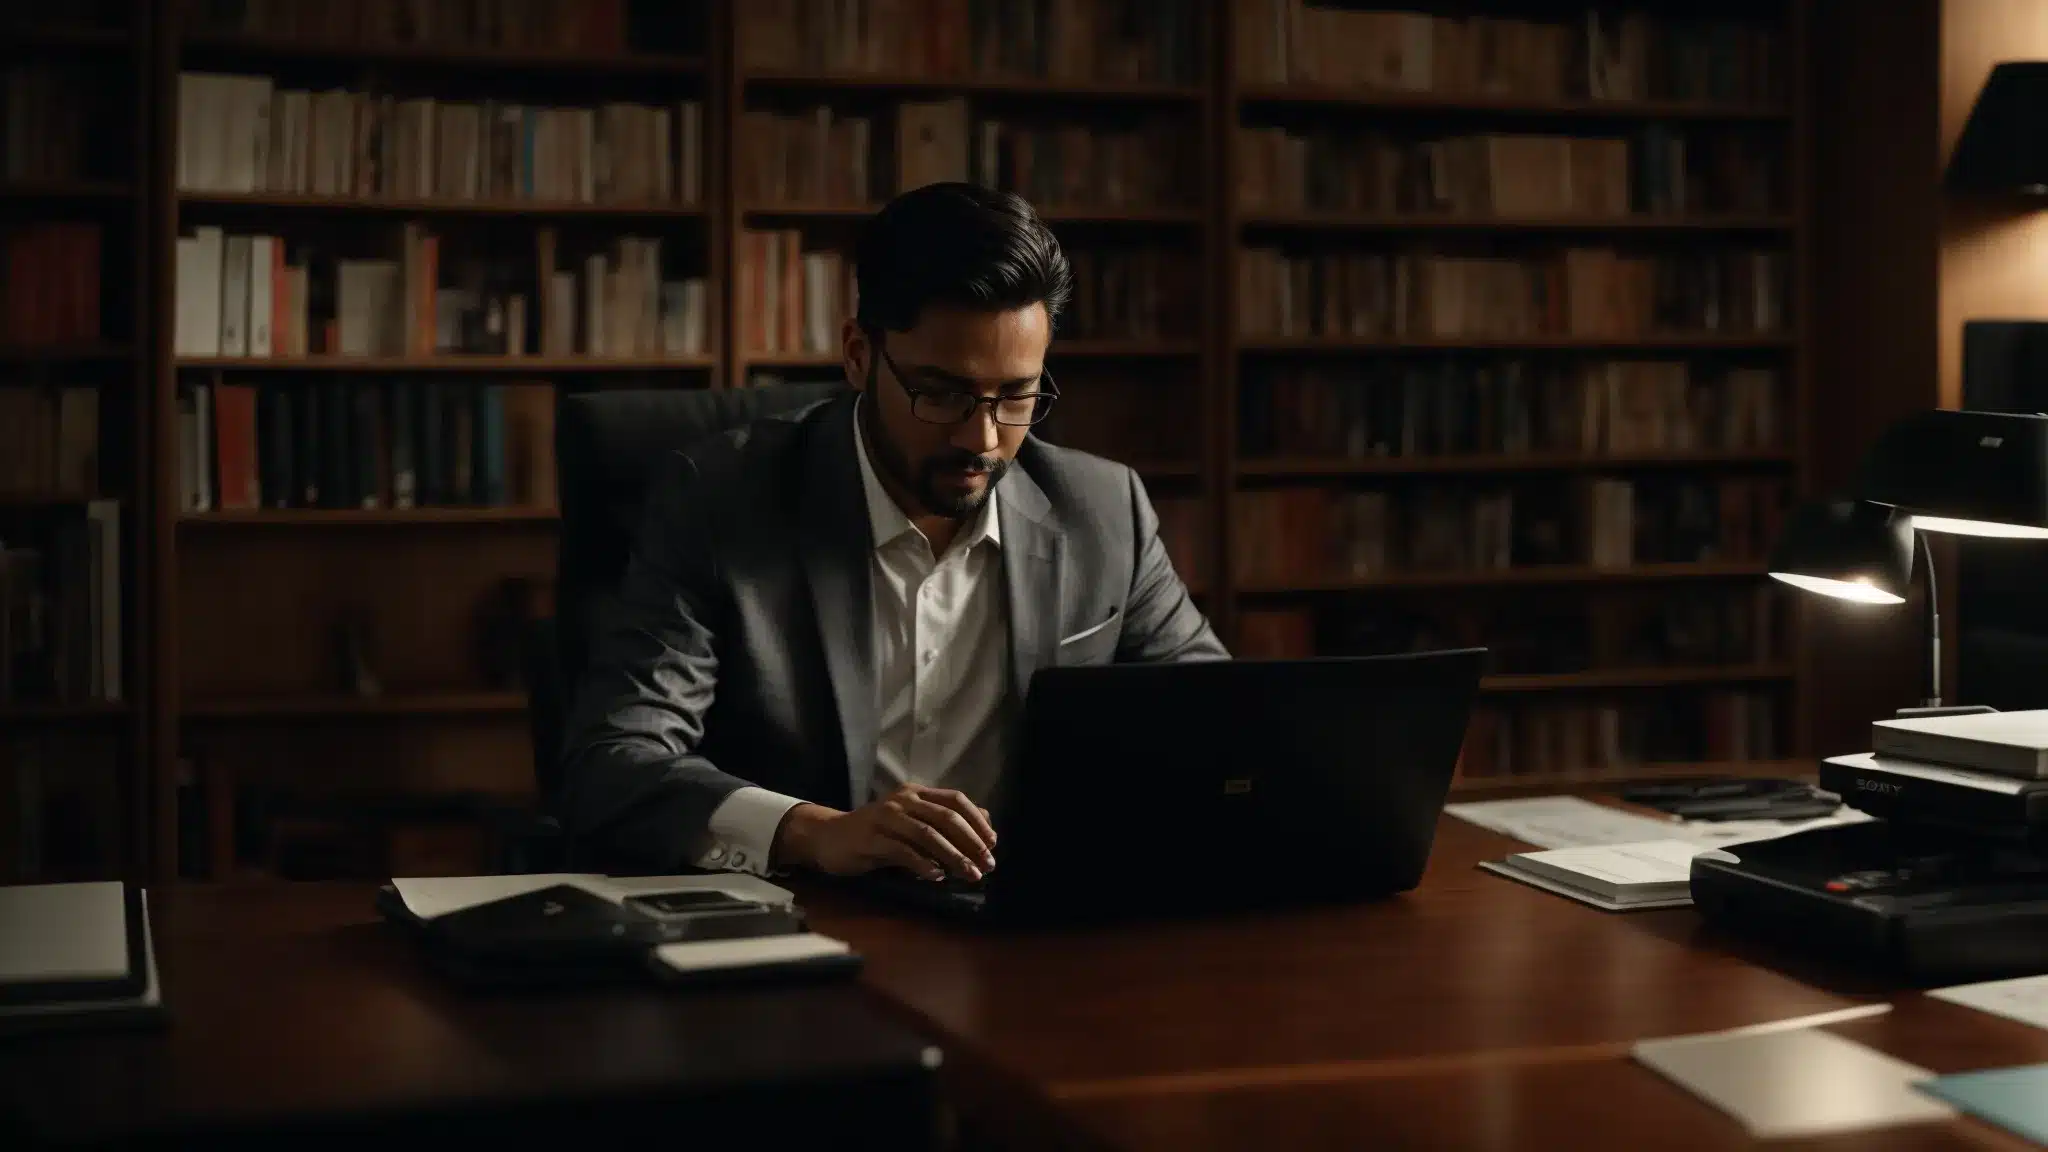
<point>921,478</point>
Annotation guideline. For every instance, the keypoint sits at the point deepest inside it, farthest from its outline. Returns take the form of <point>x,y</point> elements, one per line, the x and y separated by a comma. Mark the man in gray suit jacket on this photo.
<point>825,630</point>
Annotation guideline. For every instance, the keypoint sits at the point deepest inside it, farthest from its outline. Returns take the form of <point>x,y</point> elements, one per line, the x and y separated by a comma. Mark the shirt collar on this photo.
<point>888,521</point>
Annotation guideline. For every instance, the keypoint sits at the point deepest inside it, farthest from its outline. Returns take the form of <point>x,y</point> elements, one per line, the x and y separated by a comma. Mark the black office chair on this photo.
<point>608,446</point>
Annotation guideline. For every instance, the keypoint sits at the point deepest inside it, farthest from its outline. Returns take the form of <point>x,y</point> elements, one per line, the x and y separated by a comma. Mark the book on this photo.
<point>1645,874</point>
<point>2008,743</point>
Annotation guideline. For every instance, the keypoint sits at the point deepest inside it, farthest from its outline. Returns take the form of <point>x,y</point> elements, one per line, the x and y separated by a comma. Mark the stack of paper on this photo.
<point>73,953</point>
<point>430,896</point>
<point>1650,874</point>
<point>1570,822</point>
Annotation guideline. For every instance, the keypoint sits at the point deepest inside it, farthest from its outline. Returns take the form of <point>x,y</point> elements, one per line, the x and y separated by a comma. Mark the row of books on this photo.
<point>239,133</point>
<point>792,300</point>
<point>49,439</point>
<point>60,603</point>
<point>345,444</point>
<point>1601,55</point>
<point>1542,738</point>
<point>1626,629</point>
<point>1584,292</point>
<point>43,120</point>
<point>821,156</point>
<point>1655,170</point>
<point>1458,405</point>
<point>1155,41</point>
<point>571,26</point>
<point>1285,536</point>
<point>60,809</point>
<point>260,296</point>
<point>51,294</point>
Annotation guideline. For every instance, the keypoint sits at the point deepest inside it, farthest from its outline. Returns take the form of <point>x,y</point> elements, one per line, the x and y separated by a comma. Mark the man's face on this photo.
<point>946,469</point>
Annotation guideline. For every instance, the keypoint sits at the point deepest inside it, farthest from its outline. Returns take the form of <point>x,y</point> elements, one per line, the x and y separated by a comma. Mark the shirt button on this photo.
<point>716,854</point>
<point>924,724</point>
<point>931,655</point>
<point>739,859</point>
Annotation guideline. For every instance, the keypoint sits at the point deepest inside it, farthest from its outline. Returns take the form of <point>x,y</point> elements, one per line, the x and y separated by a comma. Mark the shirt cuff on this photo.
<point>742,830</point>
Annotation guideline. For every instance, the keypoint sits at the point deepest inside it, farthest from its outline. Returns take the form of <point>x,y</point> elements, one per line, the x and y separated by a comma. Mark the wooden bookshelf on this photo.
<point>1539,575</point>
<point>269,609</point>
<point>1483,463</point>
<point>366,517</point>
<point>421,705</point>
<point>1634,678</point>
<point>1339,377</point>
<point>1096,90</point>
<point>1390,100</point>
<point>77,315</point>
<point>269,579</point>
<point>453,362</point>
<point>427,206</point>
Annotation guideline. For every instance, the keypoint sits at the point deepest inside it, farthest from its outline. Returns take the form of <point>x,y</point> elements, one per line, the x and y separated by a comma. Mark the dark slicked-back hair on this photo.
<point>962,245</point>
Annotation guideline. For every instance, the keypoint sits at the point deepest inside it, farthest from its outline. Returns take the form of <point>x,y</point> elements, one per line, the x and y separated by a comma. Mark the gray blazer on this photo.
<point>739,648</point>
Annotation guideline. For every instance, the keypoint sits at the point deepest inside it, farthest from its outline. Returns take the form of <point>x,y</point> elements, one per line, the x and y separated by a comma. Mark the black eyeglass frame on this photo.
<point>1046,391</point>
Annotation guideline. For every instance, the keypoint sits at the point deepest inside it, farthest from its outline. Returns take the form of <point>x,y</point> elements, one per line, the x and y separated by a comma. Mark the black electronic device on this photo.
<point>1233,783</point>
<point>1948,882</point>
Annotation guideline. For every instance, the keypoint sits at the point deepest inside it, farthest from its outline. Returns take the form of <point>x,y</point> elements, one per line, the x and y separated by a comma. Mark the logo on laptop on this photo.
<point>1880,787</point>
<point>551,909</point>
<point>1237,786</point>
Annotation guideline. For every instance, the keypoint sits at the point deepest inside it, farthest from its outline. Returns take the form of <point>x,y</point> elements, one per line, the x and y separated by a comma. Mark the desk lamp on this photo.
<point>1966,473</point>
<point>1948,880</point>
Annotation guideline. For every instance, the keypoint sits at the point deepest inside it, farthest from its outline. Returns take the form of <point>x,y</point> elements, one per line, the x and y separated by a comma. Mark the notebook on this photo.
<point>1618,877</point>
<point>2015,1099</point>
<point>74,954</point>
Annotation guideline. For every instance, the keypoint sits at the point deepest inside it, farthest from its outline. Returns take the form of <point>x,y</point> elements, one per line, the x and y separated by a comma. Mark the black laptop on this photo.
<point>1150,789</point>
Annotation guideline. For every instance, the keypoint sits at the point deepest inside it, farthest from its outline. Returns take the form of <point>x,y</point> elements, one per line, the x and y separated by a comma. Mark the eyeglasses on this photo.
<point>950,406</point>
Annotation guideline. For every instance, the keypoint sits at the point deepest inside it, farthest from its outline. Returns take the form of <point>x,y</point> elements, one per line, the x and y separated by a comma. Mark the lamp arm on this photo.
<point>1933,620</point>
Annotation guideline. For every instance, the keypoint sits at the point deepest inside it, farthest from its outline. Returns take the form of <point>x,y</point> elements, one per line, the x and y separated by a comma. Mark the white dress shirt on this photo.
<point>941,646</point>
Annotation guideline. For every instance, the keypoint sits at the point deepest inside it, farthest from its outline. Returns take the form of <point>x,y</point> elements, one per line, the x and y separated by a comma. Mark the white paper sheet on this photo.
<point>431,896</point>
<point>1786,1082</point>
<point>704,955</point>
<point>1571,822</point>
<point>1535,880</point>
<point>63,932</point>
<point>1644,862</point>
<point>2024,999</point>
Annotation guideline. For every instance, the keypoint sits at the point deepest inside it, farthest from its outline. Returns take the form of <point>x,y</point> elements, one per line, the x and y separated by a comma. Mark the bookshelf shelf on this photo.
<point>63,353</point>
<point>62,712</point>
<point>1635,678</point>
<point>1483,104</point>
<point>61,36</point>
<point>1531,462</point>
<point>1061,349</point>
<point>1355,222</point>
<point>1653,770</point>
<point>451,363</point>
<point>366,517</point>
<point>794,210</point>
<point>972,85</point>
<point>1696,341</point>
<point>1552,574</point>
<point>109,190</point>
<point>44,499</point>
<point>308,707</point>
<point>270,48</point>
<point>435,206</point>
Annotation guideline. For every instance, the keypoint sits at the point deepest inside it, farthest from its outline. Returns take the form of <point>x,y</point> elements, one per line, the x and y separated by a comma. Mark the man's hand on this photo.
<point>928,831</point>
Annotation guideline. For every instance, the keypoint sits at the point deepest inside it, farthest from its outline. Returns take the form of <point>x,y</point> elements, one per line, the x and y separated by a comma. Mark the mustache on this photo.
<point>964,462</point>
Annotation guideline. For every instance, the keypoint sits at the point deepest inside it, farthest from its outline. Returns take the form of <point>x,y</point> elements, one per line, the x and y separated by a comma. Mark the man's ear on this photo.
<point>856,354</point>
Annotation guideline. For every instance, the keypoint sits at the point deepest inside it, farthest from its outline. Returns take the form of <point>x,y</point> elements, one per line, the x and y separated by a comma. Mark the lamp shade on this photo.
<point>1976,473</point>
<point>2003,148</point>
<point>1847,549</point>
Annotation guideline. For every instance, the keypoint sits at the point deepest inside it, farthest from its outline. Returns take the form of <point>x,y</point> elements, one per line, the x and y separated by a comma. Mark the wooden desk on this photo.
<point>294,1011</point>
<point>1472,1013</point>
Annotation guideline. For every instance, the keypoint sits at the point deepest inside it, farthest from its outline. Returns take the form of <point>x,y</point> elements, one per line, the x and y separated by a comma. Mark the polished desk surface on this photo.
<point>292,1003</point>
<point>1474,1012</point>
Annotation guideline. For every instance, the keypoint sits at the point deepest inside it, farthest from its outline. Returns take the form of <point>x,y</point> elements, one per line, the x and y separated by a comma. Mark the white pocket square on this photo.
<point>1085,633</point>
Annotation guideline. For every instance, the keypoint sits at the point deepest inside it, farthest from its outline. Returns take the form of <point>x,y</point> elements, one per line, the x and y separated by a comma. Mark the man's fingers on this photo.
<point>889,850</point>
<point>976,817</point>
<point>955,828</point>
<point>930,843</point>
